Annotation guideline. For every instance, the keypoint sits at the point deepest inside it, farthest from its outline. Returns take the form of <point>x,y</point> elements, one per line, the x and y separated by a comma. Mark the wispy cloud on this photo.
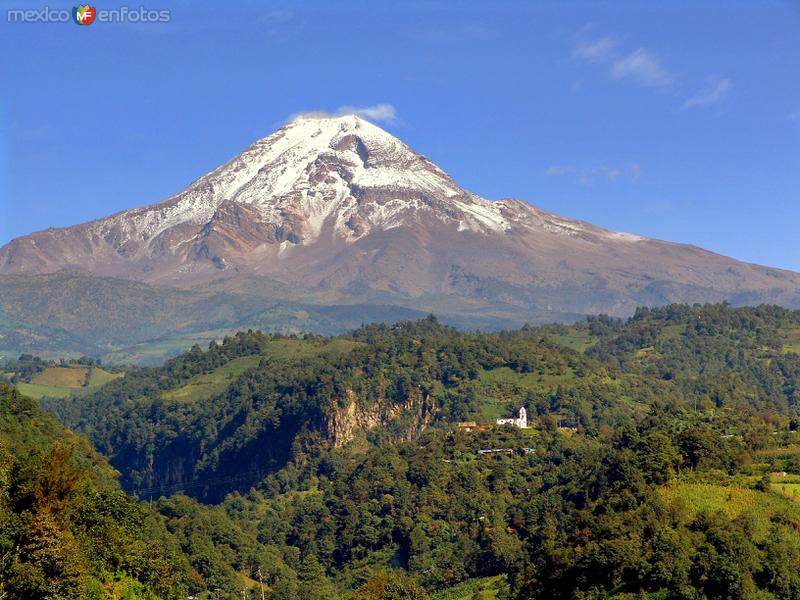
<point>715,90</point>
<point>379,113</point>
<point>599,50</point>
<point>642,67</point>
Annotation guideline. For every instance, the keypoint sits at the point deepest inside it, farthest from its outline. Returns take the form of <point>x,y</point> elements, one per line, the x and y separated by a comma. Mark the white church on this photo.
<point>521,421</point>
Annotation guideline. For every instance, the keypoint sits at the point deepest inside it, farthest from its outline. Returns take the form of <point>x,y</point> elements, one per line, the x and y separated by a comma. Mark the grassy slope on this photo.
<point>62,382</point>
<point>490,587</point>
<point>578,340</point>
<point>206,385</point>
<point>98,376</point>
<point>791,340</point>
<point>694,498</point>
<point>37,391</point>
<point>503,388</point>
<point>72,377</point>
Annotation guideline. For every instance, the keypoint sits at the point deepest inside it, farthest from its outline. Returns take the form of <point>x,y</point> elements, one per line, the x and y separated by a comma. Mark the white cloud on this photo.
<point>380,113</point>
<point>716,90</point>
<point>642,67</point>
<point>636,171</point>
<point>596,51</point>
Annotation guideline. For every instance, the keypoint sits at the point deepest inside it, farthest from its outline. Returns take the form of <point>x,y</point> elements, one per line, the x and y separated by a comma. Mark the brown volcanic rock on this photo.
<point>341,209</point>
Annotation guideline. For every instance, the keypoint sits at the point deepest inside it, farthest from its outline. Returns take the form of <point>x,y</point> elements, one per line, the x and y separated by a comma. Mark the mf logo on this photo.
<point>84,14</point>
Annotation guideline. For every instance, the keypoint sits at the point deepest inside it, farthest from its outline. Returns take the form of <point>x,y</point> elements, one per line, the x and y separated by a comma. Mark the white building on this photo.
<point>521,421</point>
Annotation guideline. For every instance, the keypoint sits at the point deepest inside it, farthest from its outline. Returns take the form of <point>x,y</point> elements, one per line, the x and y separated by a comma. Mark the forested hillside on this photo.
<point>716,355</point>
<point>662,460</point>
<point>66,529</point>
<point>276,398</point>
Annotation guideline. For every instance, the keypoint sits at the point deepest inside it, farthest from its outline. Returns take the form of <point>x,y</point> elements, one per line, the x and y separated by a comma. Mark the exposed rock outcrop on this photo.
<point>410,417</point>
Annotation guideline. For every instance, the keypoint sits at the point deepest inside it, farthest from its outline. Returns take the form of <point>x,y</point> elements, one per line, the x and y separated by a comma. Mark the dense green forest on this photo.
<point>66,528</point>
<point>661,463</point>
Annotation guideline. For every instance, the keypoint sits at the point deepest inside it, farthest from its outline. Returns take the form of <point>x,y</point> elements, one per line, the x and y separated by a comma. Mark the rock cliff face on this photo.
<point>410,418</point>
<point>338,209</point>
<point>188,463</point>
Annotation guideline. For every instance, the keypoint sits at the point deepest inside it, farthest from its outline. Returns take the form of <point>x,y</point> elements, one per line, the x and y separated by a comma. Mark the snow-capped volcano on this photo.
<point>337,177</point>
<point>316,170</point>
<point>339,204</point>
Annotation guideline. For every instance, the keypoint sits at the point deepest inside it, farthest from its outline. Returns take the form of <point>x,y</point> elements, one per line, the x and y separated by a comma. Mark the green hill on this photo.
<point>66,530</point>
<point>207,412</point>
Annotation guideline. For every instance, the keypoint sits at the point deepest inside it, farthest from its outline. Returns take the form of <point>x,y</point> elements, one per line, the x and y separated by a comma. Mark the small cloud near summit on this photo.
<point>382,113</point>
<point>378,113</point>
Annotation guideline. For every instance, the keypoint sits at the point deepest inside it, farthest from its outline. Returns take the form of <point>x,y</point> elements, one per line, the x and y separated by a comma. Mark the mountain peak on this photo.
<point>340,173</point>
<point>335,204</point>
<point>319,129</point>
<point>349,118</point>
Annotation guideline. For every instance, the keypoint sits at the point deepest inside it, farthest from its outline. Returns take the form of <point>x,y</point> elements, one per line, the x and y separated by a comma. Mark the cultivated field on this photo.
<point>63,382</point>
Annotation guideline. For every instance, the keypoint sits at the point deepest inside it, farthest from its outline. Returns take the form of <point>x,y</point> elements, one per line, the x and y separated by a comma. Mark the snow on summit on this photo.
<point>314,169</point>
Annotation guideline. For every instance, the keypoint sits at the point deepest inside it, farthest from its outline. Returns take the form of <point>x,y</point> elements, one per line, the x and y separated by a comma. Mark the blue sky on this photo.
<point>676,120</point>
